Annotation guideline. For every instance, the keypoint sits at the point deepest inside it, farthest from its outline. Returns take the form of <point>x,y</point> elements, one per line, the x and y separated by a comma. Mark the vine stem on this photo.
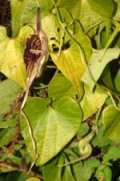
<point>64,27</point>
<point>85,148</point>
<point>30,131</point>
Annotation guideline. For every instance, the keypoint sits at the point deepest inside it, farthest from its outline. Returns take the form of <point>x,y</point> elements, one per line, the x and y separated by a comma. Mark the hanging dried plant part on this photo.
<point>36,52</point>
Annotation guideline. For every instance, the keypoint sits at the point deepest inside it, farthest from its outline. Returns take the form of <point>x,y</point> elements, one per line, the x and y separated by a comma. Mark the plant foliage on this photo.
<point>64,125</point>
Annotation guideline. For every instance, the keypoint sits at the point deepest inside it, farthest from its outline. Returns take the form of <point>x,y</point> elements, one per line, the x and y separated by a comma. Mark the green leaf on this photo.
<point>24,12</point>
<point>52,171</point>
<point>19,10</point>
<point>112,154</point>
<point>89,19</point>
<point>98,61</point>
<point>83,171</point>
<point>91,102</point>
<point>68,174</point>
<point>107,79</point>
<point>59,86</point>
<point>53,127</point>
<point>99,6</point>
<point>111,117</point>
<point>103,173</point>
<point>84,128</point>
<point>13,176</point>
<point>8,93</point>
<point>67,4</point>
<point>101,140</point>
<point>6,136</point>
<point>108,174</point>
<point>117,81</point>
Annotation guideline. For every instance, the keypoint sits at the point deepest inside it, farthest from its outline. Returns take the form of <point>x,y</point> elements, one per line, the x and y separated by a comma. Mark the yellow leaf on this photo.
<point>33,179</point>
<point>70,61</point>
<point>11,57</point>
<point>11,61</point>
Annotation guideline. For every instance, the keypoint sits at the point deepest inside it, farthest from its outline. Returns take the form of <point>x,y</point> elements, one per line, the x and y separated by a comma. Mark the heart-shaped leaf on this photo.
<point>53,126</point>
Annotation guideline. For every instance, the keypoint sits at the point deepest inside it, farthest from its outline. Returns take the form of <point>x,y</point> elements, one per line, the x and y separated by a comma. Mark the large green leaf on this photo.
<point>105,8</point>
<point>53,126</point>
<point>11,57</point>
<point>111,120</point>
<point>8,93</point>
<point>98,61</point>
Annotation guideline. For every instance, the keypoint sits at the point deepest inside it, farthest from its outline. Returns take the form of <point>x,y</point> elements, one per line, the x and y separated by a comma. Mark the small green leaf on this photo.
<point>84,170</point>
<point>112,154</point>
<point>68,175</point>
<point>103,173</point>
<point>101,140</point>
<point>117,81</point>
<point>6,136</point>
<point>53,127</point>
<point>52,171</point>
<point>111,120</point>
<point>84,128</point>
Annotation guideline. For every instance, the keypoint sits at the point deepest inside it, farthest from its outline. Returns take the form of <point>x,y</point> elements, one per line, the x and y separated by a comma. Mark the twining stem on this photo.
<point>64,27</point>
<point>85,148</point>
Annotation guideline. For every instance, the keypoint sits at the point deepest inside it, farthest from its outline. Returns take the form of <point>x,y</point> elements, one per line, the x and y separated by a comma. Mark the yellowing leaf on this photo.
<point>71,61</point>
<point>11,55</point>
<point>92,101</point>
<point>11,61</point>
<point>33,179</point>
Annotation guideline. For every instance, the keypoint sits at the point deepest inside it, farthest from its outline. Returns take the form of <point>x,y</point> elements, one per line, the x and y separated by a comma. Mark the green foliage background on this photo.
<point>74,107</point>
